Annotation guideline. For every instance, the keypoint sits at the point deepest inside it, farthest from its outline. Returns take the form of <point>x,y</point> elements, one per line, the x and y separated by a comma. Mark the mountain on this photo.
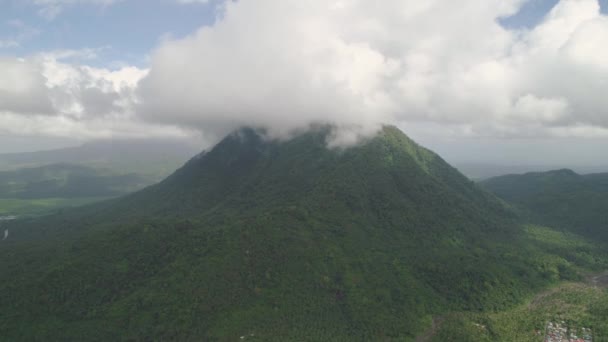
<point>67,181</point>
<point>559,198</point>
<point>147,157</point>
<point>274,241</point>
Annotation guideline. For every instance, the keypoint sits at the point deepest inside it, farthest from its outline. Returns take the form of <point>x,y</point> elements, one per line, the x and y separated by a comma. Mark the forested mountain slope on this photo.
<point>280,241</point>
<point>560,198</point>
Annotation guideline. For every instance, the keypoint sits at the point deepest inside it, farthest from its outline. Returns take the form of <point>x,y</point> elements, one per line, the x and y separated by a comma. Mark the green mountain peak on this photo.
<point>281,240</point>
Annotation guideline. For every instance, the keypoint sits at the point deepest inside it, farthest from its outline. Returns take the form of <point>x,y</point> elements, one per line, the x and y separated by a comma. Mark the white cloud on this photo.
<point>284,64</point>
<point>423,65</point>
<point>534,109</point>
<point>43,96</point>
<point>22,87</point>
<point>82,91</point>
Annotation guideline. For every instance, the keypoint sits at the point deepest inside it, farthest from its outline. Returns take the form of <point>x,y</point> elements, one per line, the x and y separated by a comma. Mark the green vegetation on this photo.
<point>281,241</point>
<point>560,199</point>
<point>577,304</point>
<point>580,303</point>
<point>35,207</point>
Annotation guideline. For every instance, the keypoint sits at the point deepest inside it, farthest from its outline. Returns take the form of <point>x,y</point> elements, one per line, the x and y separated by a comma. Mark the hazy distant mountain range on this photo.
<point>39,182</point>
<point>67,181</point>
<point>156,158</point>
<point>481,171</point>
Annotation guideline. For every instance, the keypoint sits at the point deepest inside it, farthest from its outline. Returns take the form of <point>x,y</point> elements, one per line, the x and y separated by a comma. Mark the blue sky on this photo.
<point>125,32</point>
<point>533,11</point>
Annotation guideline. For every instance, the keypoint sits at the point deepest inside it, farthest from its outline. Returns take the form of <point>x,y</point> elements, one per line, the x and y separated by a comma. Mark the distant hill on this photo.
<point>155,158</point>
<point>275,241</point>
<point>481,171</point>
<point>560,198</point>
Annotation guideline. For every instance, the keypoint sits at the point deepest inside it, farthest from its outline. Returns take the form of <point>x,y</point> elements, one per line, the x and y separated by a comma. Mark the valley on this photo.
<point>45,189</point>
<point>38,183</point>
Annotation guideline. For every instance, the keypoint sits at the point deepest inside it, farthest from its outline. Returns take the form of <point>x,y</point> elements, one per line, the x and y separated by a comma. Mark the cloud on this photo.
<point>22,87</point>
<point>355,63</point>
<point>422,65</point>
<point>42,95</point>
<point>44,84</point>
<point>81,92</point>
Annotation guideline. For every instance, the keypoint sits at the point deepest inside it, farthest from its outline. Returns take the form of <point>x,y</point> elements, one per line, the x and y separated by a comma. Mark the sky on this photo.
<point>500,81</point>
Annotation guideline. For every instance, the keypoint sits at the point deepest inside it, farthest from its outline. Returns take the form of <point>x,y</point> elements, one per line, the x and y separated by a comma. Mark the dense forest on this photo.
<point>561,199</point>
<point>279,241</point>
